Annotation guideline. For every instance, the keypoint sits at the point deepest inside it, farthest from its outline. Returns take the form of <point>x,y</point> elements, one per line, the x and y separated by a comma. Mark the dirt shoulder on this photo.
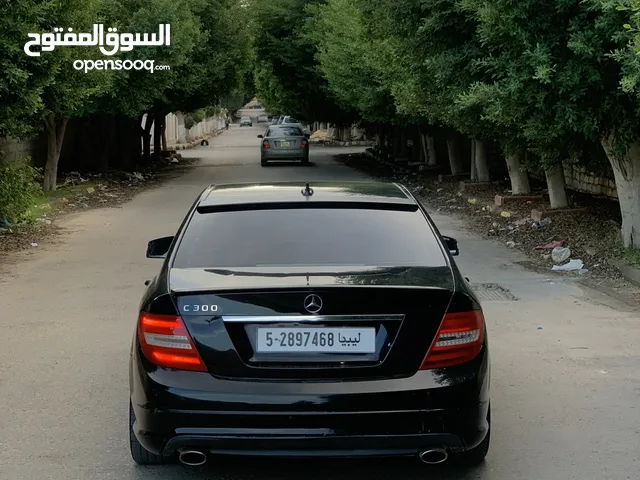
<point>78,191</point>
<point>590,232</point>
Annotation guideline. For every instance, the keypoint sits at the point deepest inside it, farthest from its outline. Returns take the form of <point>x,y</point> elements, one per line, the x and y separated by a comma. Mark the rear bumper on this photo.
<point>284,154</point>
<point>346,446</point>
<point>329,419</point>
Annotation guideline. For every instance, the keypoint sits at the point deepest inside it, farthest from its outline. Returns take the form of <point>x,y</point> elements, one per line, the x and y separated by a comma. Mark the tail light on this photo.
<point>265,144</point>
<point>166,342</point>
<point>459,340</point>
<point>303,144</point>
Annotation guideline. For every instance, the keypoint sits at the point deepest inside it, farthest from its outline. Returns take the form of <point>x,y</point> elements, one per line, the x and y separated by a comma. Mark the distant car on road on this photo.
<point>283,142</point>
<point>322,320</point>
<point>262,119</point>
<point>289,120</point>
<point>305,128</point>
<point>245,120</point>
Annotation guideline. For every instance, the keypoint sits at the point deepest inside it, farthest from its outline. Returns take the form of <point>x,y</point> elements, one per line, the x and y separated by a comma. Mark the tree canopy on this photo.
<point>287,77</point>
<point>556,79</point>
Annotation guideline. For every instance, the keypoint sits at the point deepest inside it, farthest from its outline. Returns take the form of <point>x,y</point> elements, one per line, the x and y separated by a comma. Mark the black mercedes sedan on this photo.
<point>322,320</point>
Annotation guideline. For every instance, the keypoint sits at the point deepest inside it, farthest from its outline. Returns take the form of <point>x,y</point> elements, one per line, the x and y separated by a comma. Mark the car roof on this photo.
<point>255,196</point>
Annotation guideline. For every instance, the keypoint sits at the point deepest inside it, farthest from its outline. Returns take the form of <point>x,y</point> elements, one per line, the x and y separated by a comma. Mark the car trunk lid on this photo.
<point>331,323</point>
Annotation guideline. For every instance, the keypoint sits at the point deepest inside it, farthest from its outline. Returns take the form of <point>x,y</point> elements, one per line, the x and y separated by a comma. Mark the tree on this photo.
<point>287,78</point>
<point>136,93</point>
<point>66,91</point>
<point>557,78</point>
<point>22,80</point>
<point>430,53</point>
<point>345,59</point>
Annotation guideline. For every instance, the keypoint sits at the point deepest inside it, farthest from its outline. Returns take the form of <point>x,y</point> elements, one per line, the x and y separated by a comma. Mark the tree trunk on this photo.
<point>480,160</point>
<point>164,137</point>
<point>397,140</point>
<point>518,175</point>
<point>110,127</point>
<point>416,148</point>
<point>474,170</point>
<point>346,134</point>
<point>455,161</point>
<point>432,160</point>
<point>380,138</point>
<point>158,127</point>
<point>146,137</point>
<point>55,136</point>
<point>626,170</point>
<point>556,186</point>
<point>403,143</point>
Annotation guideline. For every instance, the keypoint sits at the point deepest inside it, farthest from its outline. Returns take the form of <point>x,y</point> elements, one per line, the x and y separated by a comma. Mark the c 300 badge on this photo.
<point>200,308</point>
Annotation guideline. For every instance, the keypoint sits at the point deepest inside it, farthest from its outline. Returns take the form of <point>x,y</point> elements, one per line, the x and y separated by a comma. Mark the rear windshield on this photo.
<point>285,132</point>
<point>244,118</point>
<point>307,237</point>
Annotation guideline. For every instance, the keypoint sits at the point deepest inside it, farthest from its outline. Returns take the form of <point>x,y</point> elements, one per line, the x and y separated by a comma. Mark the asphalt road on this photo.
<point>565,383</point>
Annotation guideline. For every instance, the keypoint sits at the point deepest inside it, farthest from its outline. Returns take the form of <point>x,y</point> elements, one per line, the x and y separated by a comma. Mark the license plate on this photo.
<point>284,144</point>
<point>318,339</point>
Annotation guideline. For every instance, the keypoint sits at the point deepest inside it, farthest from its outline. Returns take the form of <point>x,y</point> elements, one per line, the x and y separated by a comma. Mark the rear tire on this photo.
<point>263,163</point>
<point>139,454</point>
<point>305,161</point>
<point>475,456</point>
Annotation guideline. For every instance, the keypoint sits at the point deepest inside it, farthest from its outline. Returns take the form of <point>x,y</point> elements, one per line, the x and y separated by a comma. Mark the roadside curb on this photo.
<point>357,143</point>
<point>195,143</point>
<point>632,274</point>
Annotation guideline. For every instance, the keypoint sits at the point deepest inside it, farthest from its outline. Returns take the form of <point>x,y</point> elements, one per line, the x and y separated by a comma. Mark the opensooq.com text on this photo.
<point>89,65</point>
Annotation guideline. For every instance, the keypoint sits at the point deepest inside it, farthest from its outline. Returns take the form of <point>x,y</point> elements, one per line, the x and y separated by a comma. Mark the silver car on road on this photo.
<point>284,143</point>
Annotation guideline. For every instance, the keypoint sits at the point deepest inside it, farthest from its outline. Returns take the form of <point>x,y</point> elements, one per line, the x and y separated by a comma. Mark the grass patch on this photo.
<point>50,201</point>
<point>629,256</point>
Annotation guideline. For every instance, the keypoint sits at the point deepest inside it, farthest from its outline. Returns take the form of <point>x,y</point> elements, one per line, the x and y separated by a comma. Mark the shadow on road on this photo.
<point>288,164</point>
<point>296,469</point>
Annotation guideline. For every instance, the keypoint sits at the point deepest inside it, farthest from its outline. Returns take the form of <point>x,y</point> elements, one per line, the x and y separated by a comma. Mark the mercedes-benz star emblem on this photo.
<point>313,303</point>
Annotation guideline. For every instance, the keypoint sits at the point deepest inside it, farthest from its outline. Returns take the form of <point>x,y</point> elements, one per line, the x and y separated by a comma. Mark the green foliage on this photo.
<point>209,58</point>
<point>19,189</point>
<point>212,111</point>
<point>135,92</point>
<point>551,78</point>
<point>287,78</point>
<point>22,81</point>
<point>189,121</point>
<point>34,87</point>
<point>347,58</point>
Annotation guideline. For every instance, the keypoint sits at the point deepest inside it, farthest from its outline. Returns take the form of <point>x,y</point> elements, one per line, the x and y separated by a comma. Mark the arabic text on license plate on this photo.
<point>284,144</point>
<point>318,339</point>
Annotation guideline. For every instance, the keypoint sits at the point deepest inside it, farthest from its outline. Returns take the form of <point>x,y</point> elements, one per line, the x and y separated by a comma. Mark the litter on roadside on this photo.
<point>560,254</point>
<point>571,266</point>
<point>541,224</point>
<point>550,245</point>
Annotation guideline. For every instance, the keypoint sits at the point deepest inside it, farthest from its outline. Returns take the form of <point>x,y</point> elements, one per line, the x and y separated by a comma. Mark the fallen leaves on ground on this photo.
<point>591,235</point>
<point>81,191</point>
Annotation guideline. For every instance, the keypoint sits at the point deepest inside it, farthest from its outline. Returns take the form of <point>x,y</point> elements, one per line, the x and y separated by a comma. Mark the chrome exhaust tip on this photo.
<point>433,456</point>
<point>193,458</point>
